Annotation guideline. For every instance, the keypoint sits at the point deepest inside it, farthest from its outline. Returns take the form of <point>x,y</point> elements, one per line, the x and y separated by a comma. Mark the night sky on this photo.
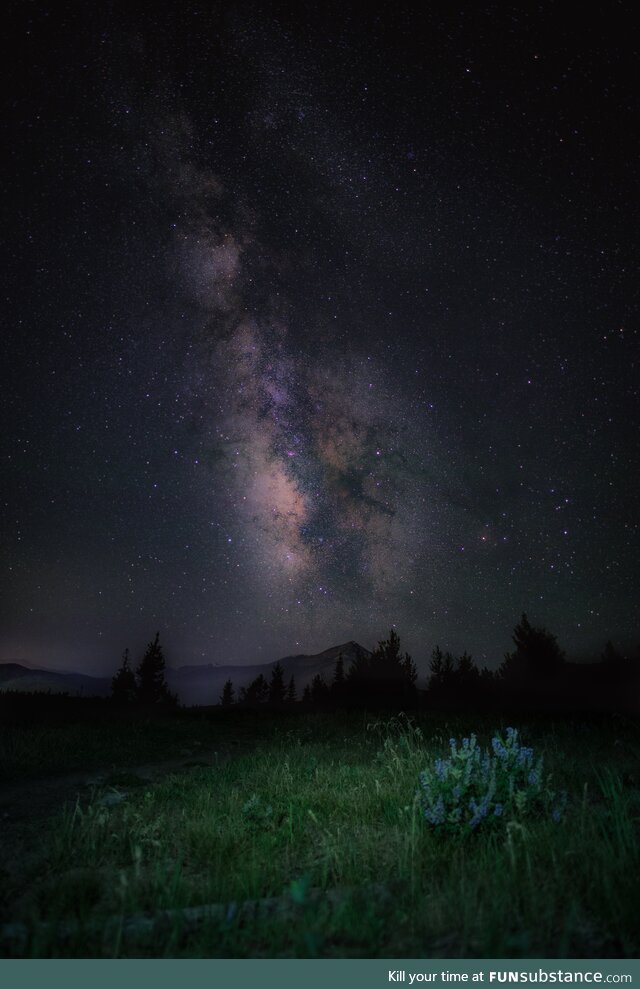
<point>318,322</point>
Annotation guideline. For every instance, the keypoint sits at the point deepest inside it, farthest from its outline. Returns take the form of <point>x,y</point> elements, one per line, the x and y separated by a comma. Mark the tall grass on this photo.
<point>326,809</point>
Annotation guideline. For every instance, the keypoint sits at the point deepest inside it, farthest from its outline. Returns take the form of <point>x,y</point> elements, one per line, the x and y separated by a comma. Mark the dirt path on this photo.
<point>25,804</point>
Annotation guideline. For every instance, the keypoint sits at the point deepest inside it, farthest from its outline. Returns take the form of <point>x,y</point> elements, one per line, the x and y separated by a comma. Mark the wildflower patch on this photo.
<point>475,788</point>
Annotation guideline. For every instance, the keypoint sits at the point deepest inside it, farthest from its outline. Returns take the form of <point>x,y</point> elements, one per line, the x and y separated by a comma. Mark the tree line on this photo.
<point>535,671</point>
<point>386,672</point>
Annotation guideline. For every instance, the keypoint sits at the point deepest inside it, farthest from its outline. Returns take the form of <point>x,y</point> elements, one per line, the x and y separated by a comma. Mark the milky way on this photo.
<point>319,326</point>
<point>318,468</point>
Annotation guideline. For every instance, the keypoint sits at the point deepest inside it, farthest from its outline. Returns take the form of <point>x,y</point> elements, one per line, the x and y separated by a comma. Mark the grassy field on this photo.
<point>308,840</point>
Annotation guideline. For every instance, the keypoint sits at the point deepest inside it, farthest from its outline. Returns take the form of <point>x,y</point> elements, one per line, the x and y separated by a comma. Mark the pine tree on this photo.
<point>228,695</point>
<point>537,652</point>
<point>306,695</point>
<point>617,666</point>
<point>123,685</point>
<point>338,673</point>
<point>443,671</point>
<point>291,696</point>
<point>613,659</point>
<point>467,673</point>
<point>409,672</point>
<point>319,690</point>
<point>436,665</point>
<point>276,686</point>
<point>256,693</point>
<point>152,686</point>
<point>385,677</point>
<point>339,684</point>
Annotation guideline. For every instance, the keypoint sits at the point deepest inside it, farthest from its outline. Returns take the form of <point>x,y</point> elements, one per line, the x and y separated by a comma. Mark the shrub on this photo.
<point>475,787</point>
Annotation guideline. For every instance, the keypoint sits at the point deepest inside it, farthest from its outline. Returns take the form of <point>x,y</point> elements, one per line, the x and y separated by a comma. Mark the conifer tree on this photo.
<point>617,666</point>
<point>256,693</point>
<point>537,652</point>
<point>443,671</point>
<point>228,695</point>
<point>291,696</point>
<point>338,687</point>
<point>319,690</point>
<point>276,686</point>
<point>611,657</point>
<point>467,673</point>
<point>384,677</point>
<point>152,686</point>
<point>123,684</point>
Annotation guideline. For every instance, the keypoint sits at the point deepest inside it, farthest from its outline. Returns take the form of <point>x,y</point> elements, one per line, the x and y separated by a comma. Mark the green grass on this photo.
<point>329,803</point>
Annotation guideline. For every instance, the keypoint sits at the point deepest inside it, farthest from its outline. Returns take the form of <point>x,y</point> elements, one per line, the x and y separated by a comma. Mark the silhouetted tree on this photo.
<point>319,691</point>
<point>453,682</point>
<point>385,677</point>
<point>123,685</point>
<point>537,653</point>
<point>291,697</point>
<point>442,669</point>
<point>338,673</point>
<point>152,686</point>
<point>256,693</point>
<point>228,695</point>
<point>612,658</point>
<point>339,684</point>
<point>617,667</point>
<point>306,695</point>
<point>467,674</point>
<point>276,686</point>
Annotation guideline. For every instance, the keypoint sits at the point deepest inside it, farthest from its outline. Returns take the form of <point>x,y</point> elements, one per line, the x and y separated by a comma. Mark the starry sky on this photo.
<point>317,322</point>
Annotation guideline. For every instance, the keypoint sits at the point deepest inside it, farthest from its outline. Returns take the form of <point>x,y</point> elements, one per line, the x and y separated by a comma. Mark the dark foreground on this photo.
<point>245,834</point>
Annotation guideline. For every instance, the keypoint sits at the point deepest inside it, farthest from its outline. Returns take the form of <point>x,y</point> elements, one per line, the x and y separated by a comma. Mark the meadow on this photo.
<point>304,836</point>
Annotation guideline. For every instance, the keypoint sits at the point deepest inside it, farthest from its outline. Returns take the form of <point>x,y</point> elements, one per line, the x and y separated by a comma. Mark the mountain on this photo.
<point>9,671</point>
<point>15,676</point>
<point>204,684</point>
<point>193,684</point>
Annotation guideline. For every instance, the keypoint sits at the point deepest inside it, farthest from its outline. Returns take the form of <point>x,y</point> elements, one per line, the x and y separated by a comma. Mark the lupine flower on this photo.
<point>473,785</point>
<point>498,748</point>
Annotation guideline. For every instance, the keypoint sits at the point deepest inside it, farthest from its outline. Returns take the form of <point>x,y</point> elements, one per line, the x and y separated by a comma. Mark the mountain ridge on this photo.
<point>194,684</point>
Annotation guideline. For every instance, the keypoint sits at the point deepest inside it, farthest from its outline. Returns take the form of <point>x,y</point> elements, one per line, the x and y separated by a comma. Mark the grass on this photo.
<point>328,805</point>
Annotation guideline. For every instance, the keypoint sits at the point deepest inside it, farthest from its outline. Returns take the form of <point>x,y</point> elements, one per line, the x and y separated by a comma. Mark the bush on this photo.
<point>475,787</point>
